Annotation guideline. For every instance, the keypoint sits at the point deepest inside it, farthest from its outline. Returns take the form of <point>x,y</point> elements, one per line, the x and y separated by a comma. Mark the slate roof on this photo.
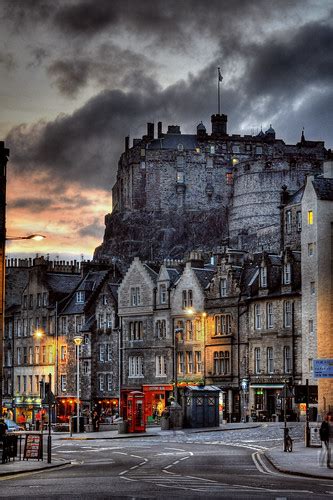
<point>62,283</point>
<point>296,197</point>
<point>88,324</point>
<point>114,290</point>
<point>173,274</point>
<point>171,141</point>
<point>88,284</point>
<point>151,273</point>
<point>323,188</point>
<point>204,276</point>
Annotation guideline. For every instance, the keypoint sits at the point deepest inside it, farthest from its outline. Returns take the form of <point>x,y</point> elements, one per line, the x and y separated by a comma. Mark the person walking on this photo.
<point>326,436</point>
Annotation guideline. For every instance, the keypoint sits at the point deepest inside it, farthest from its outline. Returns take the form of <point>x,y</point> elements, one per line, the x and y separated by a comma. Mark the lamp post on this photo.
<point>78,339</point>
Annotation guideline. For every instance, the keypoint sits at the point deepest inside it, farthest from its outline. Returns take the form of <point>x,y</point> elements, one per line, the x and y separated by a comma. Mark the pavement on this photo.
<point>302,461</point>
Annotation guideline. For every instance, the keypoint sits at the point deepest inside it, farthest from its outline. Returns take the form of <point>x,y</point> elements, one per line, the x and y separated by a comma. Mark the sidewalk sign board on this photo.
<point>33,446</point>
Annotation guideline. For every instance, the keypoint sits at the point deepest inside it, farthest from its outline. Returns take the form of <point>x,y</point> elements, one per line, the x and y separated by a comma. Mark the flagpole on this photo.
<point>218,91</point>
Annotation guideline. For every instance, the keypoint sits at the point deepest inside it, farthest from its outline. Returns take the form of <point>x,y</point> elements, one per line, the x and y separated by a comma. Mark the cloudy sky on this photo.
<point>76,76</point>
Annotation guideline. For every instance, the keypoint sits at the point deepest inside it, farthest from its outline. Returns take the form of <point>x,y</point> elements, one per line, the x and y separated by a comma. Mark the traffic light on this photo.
<point>47,388</point>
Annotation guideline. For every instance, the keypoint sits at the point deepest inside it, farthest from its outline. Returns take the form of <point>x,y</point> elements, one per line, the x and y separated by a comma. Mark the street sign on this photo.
<point>323,368</point>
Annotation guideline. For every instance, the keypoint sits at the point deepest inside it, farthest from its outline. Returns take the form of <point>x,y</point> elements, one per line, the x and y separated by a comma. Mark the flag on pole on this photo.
<point>220,76</point>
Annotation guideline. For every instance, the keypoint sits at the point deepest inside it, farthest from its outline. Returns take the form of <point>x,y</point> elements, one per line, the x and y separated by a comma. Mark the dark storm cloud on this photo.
<point>107,65</point>
<point>32,204</point>
<point>94,230</point>
<point>7,61</point>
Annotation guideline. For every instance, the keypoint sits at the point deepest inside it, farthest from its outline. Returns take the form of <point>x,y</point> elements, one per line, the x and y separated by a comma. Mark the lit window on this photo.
<point>198,362</point>
<point>189,362</point>
<point>181,363</point>
<point>310,217</point>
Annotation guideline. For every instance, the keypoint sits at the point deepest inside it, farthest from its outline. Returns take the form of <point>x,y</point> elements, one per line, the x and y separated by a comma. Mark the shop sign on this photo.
<point>33,446</point>
<point>323,368</point>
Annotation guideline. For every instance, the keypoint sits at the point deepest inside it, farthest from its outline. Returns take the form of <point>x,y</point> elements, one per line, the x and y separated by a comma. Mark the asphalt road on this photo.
<point>221,465</point>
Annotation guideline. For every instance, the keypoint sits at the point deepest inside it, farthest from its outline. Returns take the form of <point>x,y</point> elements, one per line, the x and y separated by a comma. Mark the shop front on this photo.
<point>106,408</point>
<point>25,409</point>
<point>156,399</point>
<point>266,402</point>
<point>7,408</point>
<point>66,407</point>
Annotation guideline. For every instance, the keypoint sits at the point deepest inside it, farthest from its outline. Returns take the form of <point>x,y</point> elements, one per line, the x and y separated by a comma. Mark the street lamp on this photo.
<point>78,339</point>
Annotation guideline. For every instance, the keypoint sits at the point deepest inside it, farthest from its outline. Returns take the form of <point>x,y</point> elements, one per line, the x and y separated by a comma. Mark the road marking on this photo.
<point>175,449</point>
<point>135,456</point>
<point>184,458</point>
<point>23,474</point>
<point>119,452</point>
<point>124,472</point>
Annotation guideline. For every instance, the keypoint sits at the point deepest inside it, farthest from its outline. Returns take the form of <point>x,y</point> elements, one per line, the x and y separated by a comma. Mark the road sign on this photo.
<point>323,368</point>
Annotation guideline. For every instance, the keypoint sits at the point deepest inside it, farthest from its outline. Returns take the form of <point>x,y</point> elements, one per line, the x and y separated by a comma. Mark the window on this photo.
<point>37,352</point>
<point>263,277</point>
<point>257,357</point>
<point>223,287</point>
<point>299,221</point>
<point>310,249</point>
<point>39,300</point>
<point>44,323</point>
<point>109,320</point>
<point>160,328</point>
<point>25,355</point>
<point>310,364</point>
<point>18,383</point>
<point>31,326</point>
<point>287,273</point>
<point>135,330</point>
<point>223,324</point>
<point>80,297</point>
<point>269,315</point>
<point>160,362</point>
<point>64,324</point>
<point>44,299</point>
<point>258,150</point>
<point>229,178</point>
<point>63,383</point>
<point>135,296</point>
<point>109,382</point>
<point>198,362</point>
<point>101,355</point>
<point>24,383</point>
<point>257,317</point>
<point>187,299</point>
<point>100,321</point>
<point>31,301</point>
<point>181,363</point>
<point>104,299</point>
<point>189,362</point>
<point>44,354</point>
<point>19,328</point>
<point>287,359</point>
<point>78,324</point>
<point>270,360</point>
<point>221,362</point>
<point>311,326</point>
<point>163,294</point>
<point>25,302</point>
<point>287,314</point>
<point>63,354</point>
<point>180,178</point>
<point>101,382</point>
<point>312,288</point>
<point>135,366</point>
<point>25,328</point>
<point>85,367</point>
<point>37,384</point>
<point>310,217</point>
<point>18,353</point>
<point>30,384</point>
<point>50,354</point>
<point>108,352</point>
<point>288,221</point>
<point>189,330</point>
<point>197,329</point>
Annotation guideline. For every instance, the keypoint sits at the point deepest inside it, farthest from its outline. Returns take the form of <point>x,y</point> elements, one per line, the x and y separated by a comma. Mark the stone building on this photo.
<point>178,192</point>
<point>317,280</point>
<point>272,291</point>
<point>32,331</point>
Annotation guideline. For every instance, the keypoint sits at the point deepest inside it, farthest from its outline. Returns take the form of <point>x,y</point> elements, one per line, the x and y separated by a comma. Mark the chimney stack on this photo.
<point>150,131</point>
<point>127,143</point>
<point>159,130</point>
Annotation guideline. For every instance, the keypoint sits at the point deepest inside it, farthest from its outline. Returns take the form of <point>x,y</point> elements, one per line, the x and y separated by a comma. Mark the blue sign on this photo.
<point>323,368</point>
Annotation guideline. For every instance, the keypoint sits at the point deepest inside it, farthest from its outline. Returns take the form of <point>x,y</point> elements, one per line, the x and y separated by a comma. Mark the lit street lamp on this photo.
<point>78,339</point>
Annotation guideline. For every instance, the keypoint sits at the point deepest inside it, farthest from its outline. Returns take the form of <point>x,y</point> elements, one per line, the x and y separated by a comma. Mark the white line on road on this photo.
<point>124,472</point>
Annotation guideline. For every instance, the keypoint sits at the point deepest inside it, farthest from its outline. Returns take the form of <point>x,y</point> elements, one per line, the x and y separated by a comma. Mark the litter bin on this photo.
<point>81,424</point>
<point>122,427</point>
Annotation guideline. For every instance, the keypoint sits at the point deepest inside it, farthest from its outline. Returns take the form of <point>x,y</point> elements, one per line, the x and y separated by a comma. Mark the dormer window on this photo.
<point>163,294</point>
<point>80,297</point>
<point>263,277</point>
<point>287,273</point>
<point>223,287</point>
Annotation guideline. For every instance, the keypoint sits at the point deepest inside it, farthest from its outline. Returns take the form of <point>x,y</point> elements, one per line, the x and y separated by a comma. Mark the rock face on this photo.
<point>179,192</point>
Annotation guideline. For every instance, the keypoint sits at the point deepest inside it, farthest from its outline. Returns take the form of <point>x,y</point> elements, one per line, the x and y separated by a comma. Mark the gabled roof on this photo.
<point>153,274</point>
<point>173,275</point>
<point>62,283</point>
<point>88,284</point>
<point>323,188</point>
<point>204,276</point>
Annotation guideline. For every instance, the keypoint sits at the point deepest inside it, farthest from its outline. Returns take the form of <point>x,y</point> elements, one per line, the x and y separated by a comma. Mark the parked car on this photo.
<point>12,426</point>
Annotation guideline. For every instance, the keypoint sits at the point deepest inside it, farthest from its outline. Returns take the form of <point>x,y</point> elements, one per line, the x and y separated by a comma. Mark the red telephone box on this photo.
<point>135,412</point>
